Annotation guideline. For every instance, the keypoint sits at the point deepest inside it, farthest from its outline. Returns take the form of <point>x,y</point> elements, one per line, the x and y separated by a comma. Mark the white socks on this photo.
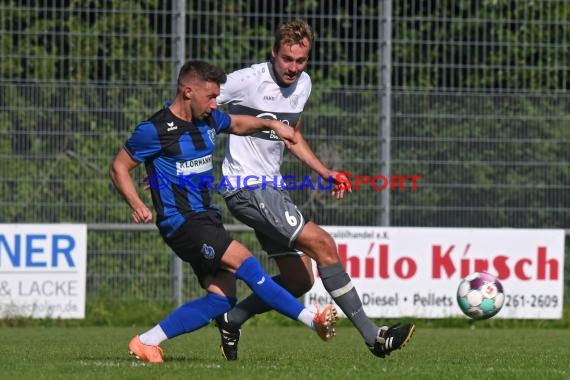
<point>153,337</point>
<point>306,317</point>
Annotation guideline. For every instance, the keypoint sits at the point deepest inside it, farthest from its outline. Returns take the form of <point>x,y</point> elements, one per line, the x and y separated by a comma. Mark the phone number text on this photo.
<point>533,300</point>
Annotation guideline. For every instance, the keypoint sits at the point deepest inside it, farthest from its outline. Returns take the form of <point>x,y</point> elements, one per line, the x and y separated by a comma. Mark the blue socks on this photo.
<point>195,314</point>
<point>198,313</point>
<point>262,284</point>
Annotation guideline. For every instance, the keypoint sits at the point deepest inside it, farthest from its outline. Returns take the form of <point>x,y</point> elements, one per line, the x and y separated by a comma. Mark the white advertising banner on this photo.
<point>43,270</point>
<point>415,272</point>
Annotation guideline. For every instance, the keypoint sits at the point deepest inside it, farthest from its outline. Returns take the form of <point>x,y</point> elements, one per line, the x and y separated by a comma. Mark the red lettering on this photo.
<point>342,179</point>
<point>442,261</point>
<point>481,265</point>
<point>414,178</point>
<point>465,268</point>
<point>465,264</point>
<point>397,180</point>
<point>360,180</point>
<point>345,260</point>
<point>542,263</point>
<point>519,269</point>
<point>383,264</point>
<point>500,264</point>
<point>369,267</point>
<point>405,263</point>
<point>384,182</point>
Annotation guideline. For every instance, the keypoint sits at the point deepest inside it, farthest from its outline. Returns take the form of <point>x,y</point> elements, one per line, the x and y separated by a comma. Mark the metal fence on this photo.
<point>471,95</point>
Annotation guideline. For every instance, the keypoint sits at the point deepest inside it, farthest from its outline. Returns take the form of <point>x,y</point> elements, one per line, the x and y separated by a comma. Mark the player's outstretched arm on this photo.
<point>245,125</point>
<point>305,154</point>
<point>120,176</point>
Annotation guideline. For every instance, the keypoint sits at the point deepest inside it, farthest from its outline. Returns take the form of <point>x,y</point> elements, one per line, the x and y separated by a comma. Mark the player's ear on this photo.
<point>187,92</point>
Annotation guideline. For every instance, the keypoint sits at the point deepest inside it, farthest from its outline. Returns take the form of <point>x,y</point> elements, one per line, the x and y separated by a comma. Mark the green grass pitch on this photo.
<point>286,352</point>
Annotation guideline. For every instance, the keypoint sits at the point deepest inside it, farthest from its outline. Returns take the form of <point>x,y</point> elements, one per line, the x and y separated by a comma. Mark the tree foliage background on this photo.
<point>479,102</point>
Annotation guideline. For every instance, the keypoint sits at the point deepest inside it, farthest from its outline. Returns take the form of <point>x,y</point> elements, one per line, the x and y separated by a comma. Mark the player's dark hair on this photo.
<point>202,71</point>
<point>293,32</point>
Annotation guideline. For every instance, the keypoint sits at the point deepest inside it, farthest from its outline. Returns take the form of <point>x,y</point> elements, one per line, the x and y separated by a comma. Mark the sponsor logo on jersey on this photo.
<point>272,116</point>
<point>294,101</point>
<point>212,135</point>
<point>197,165</point>
<point>268,135</point>
<point>171,126</point>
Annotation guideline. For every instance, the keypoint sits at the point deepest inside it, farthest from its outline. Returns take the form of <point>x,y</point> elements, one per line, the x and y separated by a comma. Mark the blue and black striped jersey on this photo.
<point>178,159</point>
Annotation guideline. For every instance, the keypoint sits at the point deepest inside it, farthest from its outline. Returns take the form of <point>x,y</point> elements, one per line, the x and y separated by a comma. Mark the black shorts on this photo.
<point>201,241</point>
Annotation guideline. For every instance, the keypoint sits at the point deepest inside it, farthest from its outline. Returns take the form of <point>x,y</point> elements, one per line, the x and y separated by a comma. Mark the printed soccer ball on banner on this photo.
<point>480,295</point>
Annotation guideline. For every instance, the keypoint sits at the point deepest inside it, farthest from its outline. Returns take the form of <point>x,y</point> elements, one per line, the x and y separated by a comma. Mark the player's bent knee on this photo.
<point>326,251</point>
<point>320,247</point>
<point>306,287</point>
<point>301,287</point>
<point>296,281</point>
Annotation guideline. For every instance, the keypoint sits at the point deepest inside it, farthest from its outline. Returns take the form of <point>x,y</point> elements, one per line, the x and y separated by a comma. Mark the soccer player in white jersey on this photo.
<point>279,89</point>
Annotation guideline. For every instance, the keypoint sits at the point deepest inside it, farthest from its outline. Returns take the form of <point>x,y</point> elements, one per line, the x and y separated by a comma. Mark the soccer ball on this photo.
<point>480,295</point>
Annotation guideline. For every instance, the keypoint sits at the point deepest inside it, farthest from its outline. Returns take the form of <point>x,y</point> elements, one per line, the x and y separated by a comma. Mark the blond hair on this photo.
<point>293,32</point>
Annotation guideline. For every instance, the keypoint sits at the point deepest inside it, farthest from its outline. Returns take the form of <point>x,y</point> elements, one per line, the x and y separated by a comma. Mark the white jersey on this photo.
<point>254,91</point>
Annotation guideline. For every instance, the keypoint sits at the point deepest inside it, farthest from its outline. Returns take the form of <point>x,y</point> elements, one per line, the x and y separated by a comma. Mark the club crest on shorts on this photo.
<point>208,252</point>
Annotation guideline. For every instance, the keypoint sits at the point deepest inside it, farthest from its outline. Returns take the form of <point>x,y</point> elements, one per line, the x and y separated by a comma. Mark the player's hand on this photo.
<point>141,215</point>
<point>341,184</point>
<point>285,133</point>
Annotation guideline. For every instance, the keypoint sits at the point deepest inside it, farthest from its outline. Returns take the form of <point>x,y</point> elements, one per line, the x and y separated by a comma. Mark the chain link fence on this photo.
<point>470,95</point>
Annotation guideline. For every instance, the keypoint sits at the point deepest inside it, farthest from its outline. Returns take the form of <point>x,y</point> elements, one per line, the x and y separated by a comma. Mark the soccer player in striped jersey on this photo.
<point>176,145</point>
